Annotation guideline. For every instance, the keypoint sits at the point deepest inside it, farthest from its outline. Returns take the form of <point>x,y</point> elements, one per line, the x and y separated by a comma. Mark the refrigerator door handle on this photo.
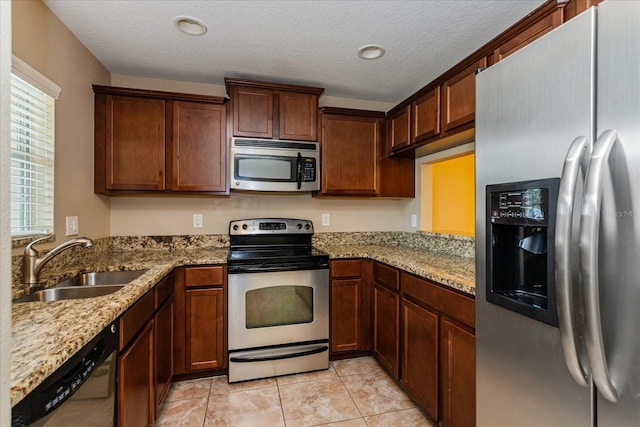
<point>579,150</point>
<point>589,234</point>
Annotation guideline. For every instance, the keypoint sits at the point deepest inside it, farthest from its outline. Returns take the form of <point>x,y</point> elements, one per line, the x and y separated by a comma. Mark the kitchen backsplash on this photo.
<point>432,242</point>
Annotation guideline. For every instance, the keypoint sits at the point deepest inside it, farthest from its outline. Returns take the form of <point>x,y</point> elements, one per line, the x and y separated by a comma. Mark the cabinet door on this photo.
<point>426,116</point>
<point>298,116</point>
<point>459,97</point>
<point>135,141</point>
<point>535,31</point>
<point>386,306</point>
<point>350,153</point>
<point>135,381</point>
<point>198,147</point>
<point>252,112</point>
<point>204,329</point>
<point>163,353</point>
<point>419,372</point>
<point>346,315</point>
<point>458,376</point>
<point>399,129</point>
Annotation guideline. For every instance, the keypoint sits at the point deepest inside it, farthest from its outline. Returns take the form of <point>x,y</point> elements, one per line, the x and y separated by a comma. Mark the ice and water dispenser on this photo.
<point>520,247</point>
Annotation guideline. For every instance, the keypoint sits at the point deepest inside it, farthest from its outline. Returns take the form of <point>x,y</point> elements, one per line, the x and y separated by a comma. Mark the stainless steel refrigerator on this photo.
<point>558,227</point>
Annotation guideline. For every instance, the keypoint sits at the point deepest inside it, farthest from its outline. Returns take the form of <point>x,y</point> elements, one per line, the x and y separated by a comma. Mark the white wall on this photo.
<point>173,215</point>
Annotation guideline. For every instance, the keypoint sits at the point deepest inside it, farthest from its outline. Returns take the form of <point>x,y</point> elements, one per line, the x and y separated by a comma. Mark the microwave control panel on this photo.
<point>308,169</point>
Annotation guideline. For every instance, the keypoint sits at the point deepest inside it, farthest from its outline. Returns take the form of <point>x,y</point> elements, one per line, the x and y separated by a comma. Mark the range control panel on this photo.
<point>258,226</point>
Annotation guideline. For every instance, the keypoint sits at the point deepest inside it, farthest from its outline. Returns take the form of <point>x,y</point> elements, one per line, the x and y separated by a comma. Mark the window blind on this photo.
<point>32,159</point>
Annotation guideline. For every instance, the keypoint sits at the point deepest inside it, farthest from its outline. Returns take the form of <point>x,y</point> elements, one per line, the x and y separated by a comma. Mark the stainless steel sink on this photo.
<point>102,278</point>
<point>70,292</point>
<point>85,285</point>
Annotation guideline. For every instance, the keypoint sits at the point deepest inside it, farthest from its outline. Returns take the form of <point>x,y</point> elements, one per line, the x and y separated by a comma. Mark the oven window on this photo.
<point>264,168</point>
<point>279,305</point>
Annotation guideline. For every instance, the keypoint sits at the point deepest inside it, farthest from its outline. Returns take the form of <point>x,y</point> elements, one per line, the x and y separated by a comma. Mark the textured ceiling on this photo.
<point>301,42</point>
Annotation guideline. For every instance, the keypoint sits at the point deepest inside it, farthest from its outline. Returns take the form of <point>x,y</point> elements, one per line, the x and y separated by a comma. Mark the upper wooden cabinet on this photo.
<point>546,23</point>
<point>426,116</point>
<point>350,145</point>
<point>132,135</point>
<point>149,141</point>
<point>444,109</point>
<point>459,97</point>
<point>399,129</point>
<point>273,111</point>
<point>354,160</point>
<point>198,136</point>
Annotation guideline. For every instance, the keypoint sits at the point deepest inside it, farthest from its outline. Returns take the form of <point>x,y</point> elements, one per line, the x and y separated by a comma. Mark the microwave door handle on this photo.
<point>299,171</point>
<point>565,284</point>
<point>589,248</point>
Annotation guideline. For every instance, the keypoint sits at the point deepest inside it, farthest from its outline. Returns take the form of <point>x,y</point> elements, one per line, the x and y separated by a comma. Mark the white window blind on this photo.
<point>32,159</point>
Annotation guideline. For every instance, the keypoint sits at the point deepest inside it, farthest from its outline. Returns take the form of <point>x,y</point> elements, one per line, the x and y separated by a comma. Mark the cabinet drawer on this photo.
<point>387,276</point>
<point>163,290</point>
<point>450,303</point>
<point>346,268</point>
<point>203,276</point>
<point>135,318</point>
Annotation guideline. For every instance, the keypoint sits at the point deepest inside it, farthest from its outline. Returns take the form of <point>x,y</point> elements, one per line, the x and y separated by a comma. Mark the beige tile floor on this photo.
<point>351,393</point>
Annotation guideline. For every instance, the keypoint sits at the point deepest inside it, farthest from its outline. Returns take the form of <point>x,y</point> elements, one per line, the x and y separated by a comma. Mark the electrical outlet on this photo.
<point>414,220</point>
<point>72,225</point>
<point>197,221</point>
<point>326,219</point>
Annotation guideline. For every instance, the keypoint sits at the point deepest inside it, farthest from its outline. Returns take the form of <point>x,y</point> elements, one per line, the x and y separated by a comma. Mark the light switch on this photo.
<point>72,225</point>
<point>197,221</point>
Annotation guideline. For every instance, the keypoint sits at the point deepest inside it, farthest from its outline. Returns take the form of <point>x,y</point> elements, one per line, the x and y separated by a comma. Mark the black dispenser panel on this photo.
<point>520,247</point>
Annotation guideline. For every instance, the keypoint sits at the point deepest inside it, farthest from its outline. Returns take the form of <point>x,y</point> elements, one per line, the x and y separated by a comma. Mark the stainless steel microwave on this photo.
<point>274,165</point>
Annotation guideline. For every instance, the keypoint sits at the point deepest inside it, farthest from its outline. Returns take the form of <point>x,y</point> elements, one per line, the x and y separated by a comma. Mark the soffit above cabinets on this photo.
<point>311,43</point>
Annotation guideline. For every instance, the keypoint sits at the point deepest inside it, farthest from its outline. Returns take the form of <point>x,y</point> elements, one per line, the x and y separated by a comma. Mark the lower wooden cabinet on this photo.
<point>145,361</point>
<point>438,352</point>
<point>200,319</point>
<point>419,371</point>
<point>163,350</point>
<point>135,381</point>
<point>458,376</point>
<point>204,329</point>
<point>386,328</point>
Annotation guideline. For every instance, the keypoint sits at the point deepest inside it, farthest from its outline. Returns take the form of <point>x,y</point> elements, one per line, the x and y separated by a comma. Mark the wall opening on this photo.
<point>447,195</point>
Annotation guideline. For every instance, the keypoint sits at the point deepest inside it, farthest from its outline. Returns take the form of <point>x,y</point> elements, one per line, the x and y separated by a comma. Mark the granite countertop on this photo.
<point>46,334</point>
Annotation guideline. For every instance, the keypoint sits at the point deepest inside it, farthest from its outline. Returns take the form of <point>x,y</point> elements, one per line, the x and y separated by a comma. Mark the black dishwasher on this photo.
<point>81,390</point>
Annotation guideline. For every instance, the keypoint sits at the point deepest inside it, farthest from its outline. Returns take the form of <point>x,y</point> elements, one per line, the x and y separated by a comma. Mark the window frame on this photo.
<point>32,77</point>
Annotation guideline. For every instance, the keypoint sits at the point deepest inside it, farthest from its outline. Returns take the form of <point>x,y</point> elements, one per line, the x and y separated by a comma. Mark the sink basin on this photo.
<point>102,278</point>
<point>70,292</point>
<point>85,285</point>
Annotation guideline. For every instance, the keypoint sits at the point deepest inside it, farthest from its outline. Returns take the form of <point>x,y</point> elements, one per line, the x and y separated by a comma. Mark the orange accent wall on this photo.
<point>453,186</point>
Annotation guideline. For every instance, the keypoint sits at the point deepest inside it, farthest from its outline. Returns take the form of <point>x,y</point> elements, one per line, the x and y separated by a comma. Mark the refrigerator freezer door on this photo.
<point>530,107</point>
<point>618,108</point>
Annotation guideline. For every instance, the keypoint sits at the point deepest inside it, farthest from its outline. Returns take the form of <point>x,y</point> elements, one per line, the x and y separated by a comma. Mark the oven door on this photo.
<point>277,308</point>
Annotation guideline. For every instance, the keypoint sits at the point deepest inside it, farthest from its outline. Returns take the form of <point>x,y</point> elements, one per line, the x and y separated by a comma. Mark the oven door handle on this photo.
<point>266,268</point>
<point>246,359</point>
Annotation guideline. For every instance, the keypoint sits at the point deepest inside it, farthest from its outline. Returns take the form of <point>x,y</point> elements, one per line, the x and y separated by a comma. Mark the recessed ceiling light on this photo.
<point>371,51</point>
<point>189,25</point>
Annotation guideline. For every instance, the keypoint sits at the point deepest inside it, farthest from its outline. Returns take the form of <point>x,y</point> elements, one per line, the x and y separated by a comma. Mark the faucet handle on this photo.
<point>30,250</point>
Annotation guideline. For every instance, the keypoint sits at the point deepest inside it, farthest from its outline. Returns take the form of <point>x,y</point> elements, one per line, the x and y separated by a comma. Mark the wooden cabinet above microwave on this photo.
<point>273,111</point>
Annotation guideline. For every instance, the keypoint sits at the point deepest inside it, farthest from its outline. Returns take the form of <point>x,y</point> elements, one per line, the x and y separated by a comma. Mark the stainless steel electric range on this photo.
<point>278,290</point>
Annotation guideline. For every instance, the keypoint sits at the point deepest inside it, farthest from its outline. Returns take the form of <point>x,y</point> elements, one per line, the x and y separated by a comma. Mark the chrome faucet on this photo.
<point>32,262</point>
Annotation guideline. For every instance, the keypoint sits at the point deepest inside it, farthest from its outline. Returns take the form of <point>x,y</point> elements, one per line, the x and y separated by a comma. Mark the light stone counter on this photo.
<point>44,335</point>
<point>448,270</point>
